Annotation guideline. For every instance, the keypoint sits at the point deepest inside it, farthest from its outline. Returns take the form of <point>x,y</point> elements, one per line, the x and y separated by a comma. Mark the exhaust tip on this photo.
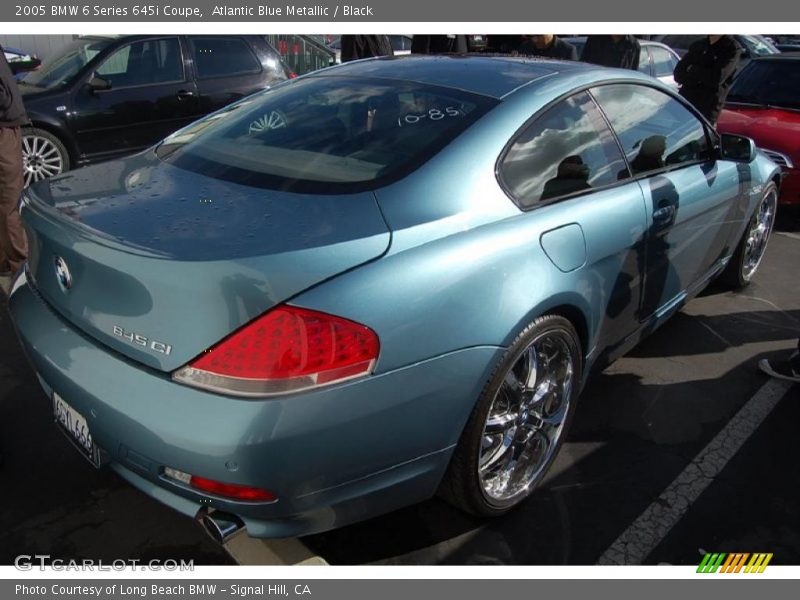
<point>220,526</point>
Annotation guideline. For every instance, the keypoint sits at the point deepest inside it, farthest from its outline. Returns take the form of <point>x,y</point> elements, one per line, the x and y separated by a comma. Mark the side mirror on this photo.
<point>737,148</point>
<point>27,64</point>
<point>98,84</point>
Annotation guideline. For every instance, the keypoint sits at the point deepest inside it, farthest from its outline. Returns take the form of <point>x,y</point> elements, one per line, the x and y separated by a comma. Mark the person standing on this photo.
<point>355,47</point>
<point>705,73</point>
<point>548,46</point>
<point>618,51</point>
<point>13,244</point>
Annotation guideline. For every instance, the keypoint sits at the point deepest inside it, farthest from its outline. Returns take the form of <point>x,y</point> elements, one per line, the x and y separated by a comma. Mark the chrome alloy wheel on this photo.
<point>526,418</point>
<point>758,235</point>
<point>40,158</point>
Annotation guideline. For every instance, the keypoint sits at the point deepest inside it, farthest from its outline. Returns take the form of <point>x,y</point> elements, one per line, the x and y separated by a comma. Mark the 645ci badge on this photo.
<point>141,340</point>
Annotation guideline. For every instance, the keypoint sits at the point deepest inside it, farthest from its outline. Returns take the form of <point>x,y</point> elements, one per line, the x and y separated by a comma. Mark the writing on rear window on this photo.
<point>326,134</point>
<point>433,114</point>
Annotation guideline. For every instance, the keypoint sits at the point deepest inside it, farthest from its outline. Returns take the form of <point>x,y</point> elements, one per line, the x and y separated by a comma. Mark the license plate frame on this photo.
<point>75,428</point>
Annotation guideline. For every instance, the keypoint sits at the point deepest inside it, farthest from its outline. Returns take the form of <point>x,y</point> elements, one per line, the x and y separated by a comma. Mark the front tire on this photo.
<point>43,155</point>
<point>519,422</point>
<point>748,254</point>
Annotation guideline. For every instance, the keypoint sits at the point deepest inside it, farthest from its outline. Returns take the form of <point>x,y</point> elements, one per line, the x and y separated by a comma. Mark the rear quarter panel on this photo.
<point>483,286</point>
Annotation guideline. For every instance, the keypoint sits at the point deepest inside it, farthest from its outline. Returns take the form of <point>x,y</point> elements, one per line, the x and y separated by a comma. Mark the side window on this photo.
<point>567,150</point>
<point>655,130</point>
<point>144,63</point>
<point>644,61</point>
<point>222,57</point>
<point>663,62</point>
<point>400,42</point>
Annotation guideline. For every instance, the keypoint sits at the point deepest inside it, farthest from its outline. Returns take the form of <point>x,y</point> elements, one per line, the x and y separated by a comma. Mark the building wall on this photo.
<point>39,45</point>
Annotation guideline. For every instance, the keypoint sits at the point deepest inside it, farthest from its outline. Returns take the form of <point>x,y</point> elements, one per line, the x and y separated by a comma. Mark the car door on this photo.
<point>148,97</point>
<point>566,169</point>
<point>226,69</point>
<point>694,200</point>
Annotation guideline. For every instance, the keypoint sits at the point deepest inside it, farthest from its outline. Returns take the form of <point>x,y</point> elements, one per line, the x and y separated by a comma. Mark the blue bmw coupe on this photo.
<point>376,283</point>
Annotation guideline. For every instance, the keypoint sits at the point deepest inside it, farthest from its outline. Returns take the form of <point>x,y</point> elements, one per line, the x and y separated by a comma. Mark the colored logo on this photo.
<point>735,562</point>
<point>63,275</point>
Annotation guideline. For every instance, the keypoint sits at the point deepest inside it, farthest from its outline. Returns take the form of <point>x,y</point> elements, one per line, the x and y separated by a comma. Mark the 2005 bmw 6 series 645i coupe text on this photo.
<point>375,283</point>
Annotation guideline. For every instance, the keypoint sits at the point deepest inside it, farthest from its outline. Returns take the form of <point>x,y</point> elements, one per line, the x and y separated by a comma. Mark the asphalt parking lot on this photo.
<point>680,447</point>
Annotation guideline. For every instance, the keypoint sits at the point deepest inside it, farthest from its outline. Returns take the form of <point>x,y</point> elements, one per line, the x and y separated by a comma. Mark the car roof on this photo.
<point>101,36</point>
<point>793,55</point>
<point>495,76</point>
<point>581,39</point>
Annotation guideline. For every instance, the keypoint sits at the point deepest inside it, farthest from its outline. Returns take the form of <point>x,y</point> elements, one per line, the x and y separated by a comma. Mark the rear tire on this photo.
<point>751,248</point>
<point>43,155</point>
<point>520,421</point>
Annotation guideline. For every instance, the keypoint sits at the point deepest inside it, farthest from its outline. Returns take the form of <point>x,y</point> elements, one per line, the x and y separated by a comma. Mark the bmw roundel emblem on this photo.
<point>63,275</point>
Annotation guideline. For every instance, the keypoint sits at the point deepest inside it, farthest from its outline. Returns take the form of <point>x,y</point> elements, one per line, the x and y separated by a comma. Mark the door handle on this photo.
<point>182,94</point>
<point>664,215</point>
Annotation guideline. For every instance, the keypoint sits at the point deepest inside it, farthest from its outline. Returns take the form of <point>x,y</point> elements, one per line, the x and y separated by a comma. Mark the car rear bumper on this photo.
<point>332,457</point>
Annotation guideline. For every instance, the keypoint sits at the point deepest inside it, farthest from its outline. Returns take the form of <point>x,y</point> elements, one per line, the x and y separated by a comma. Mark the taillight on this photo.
<point>286,350</point>
<point>217,488</point>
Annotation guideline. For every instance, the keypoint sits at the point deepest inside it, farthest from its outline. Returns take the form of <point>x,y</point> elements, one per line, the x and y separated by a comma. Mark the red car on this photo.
<point>764,104</point>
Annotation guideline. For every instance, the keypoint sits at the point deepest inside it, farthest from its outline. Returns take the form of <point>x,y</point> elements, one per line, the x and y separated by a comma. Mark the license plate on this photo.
<point>75,426</point>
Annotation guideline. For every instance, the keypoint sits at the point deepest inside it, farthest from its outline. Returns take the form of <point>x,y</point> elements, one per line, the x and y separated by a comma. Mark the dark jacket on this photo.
<point>558,49</point>
<point>12,111</point>
<point>603,50</point>
<point>365,46</point>
<point>439,44</point>
<point>705,73</point>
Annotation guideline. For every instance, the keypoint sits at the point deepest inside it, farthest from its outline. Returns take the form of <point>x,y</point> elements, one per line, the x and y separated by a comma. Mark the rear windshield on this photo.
<point>768,82</point>
<point>325,134</point>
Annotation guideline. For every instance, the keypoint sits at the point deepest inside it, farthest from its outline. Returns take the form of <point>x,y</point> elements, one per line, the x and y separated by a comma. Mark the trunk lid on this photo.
<point>162,263</point>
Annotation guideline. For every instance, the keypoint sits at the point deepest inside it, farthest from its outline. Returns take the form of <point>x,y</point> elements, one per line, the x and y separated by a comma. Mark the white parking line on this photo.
<point>788,234</point>
<point>653,525</point>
